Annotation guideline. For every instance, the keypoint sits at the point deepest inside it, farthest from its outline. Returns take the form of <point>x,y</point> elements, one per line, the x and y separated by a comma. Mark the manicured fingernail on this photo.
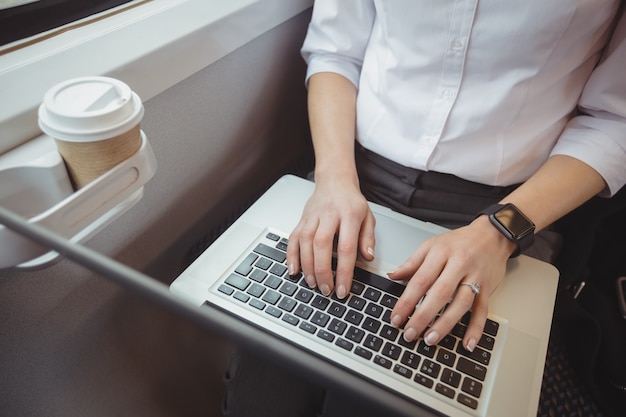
<point>431,338</point>
<point>410,334</point>
<point>396,320</point>
<point>370,251</point>
<point>310,280</point>
<point>341,291</point>
<point>292,269</point>
<point>471,344</point>
<point>325,289</point>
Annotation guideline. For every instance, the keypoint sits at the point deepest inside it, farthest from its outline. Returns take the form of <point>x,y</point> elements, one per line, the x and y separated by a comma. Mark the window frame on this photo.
<point>139,46</point>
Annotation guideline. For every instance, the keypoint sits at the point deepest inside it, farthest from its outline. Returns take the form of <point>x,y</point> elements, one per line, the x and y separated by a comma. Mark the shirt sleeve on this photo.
<point>597,136</point>
<point>337,37</point>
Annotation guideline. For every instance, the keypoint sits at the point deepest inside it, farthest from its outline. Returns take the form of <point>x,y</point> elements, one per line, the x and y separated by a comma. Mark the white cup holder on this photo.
<point>34,184</point>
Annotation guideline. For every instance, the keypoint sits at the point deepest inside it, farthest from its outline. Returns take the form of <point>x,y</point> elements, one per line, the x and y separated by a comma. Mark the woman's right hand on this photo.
<point>336,210</point>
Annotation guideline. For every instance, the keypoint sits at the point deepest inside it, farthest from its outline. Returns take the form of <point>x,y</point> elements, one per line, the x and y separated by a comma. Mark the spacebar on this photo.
<point>383,284</point>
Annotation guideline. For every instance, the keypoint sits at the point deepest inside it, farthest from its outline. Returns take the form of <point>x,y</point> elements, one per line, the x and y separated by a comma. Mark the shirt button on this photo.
<point>447,93</point>
<point>456,45</point>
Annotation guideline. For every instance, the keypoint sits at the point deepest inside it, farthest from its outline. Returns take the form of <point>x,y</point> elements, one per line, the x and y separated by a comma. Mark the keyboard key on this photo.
<point>372,294</point>
<point>282,246</point>
<point>241,297</point>
<point>324,335</point>
<point>225,289</point>
<point>354,317</point>
<point>403,371</point>
<point>258,304</point>
<point>287,304</point>
<point>391,351</point>
<point>423,380</point>
<point>384,362</point>
<point>364,353</point>
<point>471,368</point>
<point>238,282</point>
<point>245,267</point>
<point>430,368</point>
<point>479,355</point>
<point>450,377</point>
<point>321,319</point>
<point>486,342</point>
<point>273,282</point>
<point>472,387</point>
<point>293,320</point>
<point>357,287</point>
<point>445,390</point>
<point>355,334</point>
<point>288,288</point>
<point>337,326</point>
<point>271,297</point>
<point>409,345</point>
<point>491,327</point>
<point>388,301</point>
<point>448,341</point>
<point>426,350</point>
<point>374,310</point>
<point>263,263</point>
<point>389,333</point>
<point>446,357</point>
<point>459,330</point>
<point>308,327</point>
<point>410,359</point>
<point>256,290</point>
<point>274,254</point>
<point>278,270</point>
<point>378,282</point>
<point>320,302</point>
<point>373,342</point>
<point>357,303</point>
<point>371,325</point>
<point>468,401</point>
<point>336,309</point>
<point>258,275</point>
<point>272,236</point>
<point>273,311</point>
<point>303,311</point>
<point>344,344</point>
<point>294,278</point>
<point>304,295</point>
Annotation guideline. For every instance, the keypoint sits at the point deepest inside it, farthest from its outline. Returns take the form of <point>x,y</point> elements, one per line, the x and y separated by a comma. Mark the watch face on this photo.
<point>514,221</point>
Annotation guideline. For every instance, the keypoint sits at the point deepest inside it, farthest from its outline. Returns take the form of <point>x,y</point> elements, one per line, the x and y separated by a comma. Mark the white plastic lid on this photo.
<point>89,109</point>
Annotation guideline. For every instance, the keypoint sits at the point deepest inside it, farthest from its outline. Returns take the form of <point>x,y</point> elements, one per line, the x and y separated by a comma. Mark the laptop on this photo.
<point>243,275</point>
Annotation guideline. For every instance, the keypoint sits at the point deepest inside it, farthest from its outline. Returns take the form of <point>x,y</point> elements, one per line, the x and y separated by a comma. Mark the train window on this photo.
<point>20,19</point>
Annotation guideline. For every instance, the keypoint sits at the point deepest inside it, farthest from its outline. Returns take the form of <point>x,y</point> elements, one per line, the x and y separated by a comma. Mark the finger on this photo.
<point>367,237</point>
<point>461,303</point>
<point>415,289</point>
<point>346,256</point>
<point>476,323</point>
<point>293,252</point>
<point>303,238</point>
<point>410,266</point>
<point>323,253</point>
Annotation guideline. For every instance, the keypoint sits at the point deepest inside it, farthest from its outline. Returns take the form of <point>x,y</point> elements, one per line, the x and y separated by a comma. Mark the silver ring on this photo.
<point>474,286</point>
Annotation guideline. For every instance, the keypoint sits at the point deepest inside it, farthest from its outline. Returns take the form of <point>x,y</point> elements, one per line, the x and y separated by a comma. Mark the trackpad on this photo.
<point>519,376</point>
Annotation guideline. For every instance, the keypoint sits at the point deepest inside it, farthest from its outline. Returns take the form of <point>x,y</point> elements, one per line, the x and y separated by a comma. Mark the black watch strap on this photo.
<point>513,224</point>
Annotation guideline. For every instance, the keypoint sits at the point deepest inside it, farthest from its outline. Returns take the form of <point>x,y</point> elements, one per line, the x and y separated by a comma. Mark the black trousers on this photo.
<point>258,389</point>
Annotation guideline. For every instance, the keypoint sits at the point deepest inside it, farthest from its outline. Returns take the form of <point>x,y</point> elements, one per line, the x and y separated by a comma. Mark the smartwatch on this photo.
<point>513,224</point>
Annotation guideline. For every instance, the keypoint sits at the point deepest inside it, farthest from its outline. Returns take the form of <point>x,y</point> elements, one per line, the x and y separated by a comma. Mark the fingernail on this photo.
<point>471,344</point>
<point>341,291</point>
<point>431,338</point>
<point>325,289</point>
<point>396,320</point>
<point>292,269</point>
<point>370,251</point>
<point>310,280</point>
<point>410,334</point>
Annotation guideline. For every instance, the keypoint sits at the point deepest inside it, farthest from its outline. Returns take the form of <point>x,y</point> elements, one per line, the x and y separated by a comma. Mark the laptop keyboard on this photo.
<point>359,325</point>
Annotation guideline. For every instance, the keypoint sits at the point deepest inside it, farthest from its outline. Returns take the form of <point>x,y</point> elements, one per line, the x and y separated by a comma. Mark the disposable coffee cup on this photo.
<point>95,122</point>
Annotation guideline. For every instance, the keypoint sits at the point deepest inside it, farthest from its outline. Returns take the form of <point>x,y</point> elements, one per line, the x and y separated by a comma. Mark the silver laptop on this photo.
<point>243,273</point>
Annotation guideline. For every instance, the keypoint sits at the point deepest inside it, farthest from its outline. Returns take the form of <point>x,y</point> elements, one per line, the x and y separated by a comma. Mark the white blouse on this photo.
<point>483,89</point>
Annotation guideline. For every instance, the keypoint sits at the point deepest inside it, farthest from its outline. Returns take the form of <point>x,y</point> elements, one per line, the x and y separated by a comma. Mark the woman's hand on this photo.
<point>336,209</point>
<point>476,253</point>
